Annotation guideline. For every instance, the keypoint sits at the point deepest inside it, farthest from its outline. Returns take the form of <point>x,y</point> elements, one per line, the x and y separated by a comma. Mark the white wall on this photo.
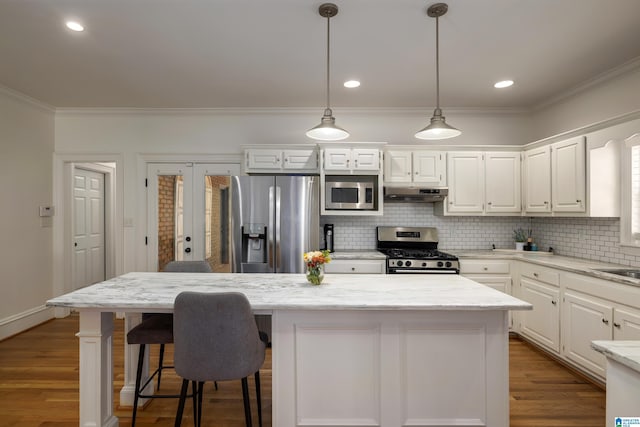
<point>609,99</point>
<point>26,145</point>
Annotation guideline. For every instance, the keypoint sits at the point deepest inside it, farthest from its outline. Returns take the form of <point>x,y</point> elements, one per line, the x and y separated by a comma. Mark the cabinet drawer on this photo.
<point>540,274</point>
<point>356,266</point>
<point>484,266</point>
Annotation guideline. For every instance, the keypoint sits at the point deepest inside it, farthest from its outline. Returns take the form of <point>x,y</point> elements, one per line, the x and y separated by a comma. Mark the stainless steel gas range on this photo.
<point>414,250</point>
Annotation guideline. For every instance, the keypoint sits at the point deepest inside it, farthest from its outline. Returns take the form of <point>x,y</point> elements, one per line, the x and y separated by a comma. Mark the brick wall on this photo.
<point>166,220</point>
<point>216,183</point>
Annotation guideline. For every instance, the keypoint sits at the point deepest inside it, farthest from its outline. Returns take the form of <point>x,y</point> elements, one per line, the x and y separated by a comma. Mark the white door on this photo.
<point>537,180</point>
<point>502,182</point>
<point>185,204</point>
<point>88,228</point>
<point>465,172</point>
<point>429,168</point>
<point>568,175</point>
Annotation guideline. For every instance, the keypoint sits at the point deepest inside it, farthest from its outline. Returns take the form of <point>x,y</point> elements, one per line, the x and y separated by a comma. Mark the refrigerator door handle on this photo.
<point>270,226</point>
<point>277,225</point>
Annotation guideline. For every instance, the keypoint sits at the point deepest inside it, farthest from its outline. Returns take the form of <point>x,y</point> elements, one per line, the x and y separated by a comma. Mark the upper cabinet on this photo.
<point>482,183</point>
<point>555,178</point>
<point>351,160</point>
<point>415,167</point>
<point>281,160</point>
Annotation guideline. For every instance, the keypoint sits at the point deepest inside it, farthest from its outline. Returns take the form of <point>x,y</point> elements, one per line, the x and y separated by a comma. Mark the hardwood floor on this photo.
<point>39,387</point>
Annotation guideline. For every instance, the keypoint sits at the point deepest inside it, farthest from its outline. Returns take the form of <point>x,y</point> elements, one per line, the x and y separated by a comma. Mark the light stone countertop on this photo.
<point>138,292</point>
<point>625,352</point>
<point>358,254</point>
<point>574,265</point>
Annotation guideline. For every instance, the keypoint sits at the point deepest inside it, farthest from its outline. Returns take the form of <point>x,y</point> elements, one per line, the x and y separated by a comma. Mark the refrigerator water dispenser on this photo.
<point>254,243</point>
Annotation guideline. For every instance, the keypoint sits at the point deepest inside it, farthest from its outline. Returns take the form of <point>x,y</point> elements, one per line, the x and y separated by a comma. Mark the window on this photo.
<point>630,174</point>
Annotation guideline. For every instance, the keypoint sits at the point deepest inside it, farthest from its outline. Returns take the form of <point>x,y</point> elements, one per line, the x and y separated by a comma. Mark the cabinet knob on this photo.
<point>554,302</point>
<point>485,268</point>
<point>605,321</point>
<point>535,274</point>
<point>353,269</point>
<point>546,203</point>
<point>617,325</point>
<point>578,201</point>
<point>489,203</point>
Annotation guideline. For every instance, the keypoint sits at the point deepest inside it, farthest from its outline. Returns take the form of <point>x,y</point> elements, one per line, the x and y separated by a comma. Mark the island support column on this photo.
<point>390,368</point>
<point>96,369</point>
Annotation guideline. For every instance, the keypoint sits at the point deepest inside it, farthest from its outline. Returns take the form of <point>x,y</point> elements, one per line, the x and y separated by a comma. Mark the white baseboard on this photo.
<point>17,323</point>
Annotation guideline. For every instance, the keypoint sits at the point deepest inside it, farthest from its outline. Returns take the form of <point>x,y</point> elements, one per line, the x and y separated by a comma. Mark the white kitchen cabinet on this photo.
<point>537,180</point>
<point>540,287</point>
<point>568,180</point>
<point>465,174</point>
<point>626,323</point>
<point>356,266</point>
<point>502,182</point>
<point>483,183</point>
<point>351,159</point>
<point>419,167</point>
<point>555,177</point>
<point>493,273</point>
<point>278,160</point>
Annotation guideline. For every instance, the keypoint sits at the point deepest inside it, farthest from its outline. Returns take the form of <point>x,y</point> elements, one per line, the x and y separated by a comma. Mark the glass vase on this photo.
<point>315,274</point>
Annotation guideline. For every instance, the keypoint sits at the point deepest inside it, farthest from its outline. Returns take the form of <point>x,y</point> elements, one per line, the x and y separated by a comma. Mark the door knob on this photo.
<point>187,250</point>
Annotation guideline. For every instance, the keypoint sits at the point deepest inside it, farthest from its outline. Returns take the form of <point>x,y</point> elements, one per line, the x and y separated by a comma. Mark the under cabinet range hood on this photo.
<point>414,195</point>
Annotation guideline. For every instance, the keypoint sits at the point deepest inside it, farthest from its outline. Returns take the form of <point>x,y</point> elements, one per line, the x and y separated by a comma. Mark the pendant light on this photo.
<point>438,129</point>
<point>327,129</point>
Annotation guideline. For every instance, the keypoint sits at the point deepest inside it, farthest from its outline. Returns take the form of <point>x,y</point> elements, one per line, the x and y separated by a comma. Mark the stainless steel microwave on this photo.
<point>350,192</point>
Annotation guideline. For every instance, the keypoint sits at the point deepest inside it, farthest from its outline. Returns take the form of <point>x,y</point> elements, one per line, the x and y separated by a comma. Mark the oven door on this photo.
<point>397,270</point>
<point>349,195</point>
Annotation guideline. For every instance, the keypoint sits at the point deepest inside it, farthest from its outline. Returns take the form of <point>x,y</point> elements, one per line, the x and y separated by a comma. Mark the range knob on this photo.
<point>448,264</point>
<point>399,263</point>
<point>424,264</point>
<point>408,263</point>
<point>440,264</point>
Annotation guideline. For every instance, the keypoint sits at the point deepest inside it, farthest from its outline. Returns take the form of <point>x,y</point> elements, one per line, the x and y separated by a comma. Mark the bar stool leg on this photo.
<point>138,380</point>
<point>161,360</point>
<point>258,397</point>
<point>183,397</point>
<point>247,404</point>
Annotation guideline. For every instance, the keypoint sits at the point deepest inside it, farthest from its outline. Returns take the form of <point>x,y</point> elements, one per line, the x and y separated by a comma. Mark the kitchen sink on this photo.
<point>634,273</point>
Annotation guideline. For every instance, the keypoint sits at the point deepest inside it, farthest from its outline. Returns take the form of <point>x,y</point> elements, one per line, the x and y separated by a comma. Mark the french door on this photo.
<point>188,213</point>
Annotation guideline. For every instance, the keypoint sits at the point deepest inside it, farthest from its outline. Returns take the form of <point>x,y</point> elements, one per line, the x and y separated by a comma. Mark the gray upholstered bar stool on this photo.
<point>216,339</point>
<point>157,328</point>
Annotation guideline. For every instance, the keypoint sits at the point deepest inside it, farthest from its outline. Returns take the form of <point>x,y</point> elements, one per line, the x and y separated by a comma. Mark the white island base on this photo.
<point>357,351</point>
<point>390,368</point>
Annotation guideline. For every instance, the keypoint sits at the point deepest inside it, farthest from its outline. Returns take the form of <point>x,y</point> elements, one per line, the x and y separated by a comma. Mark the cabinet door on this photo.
<point>585,318</point>
<point>264,159</point>
<point>397,166</point>
<point>365,159</point>
<point>465,172</point>
<point>300,159</point>
<point>568,175</point>
<point>537,180</point>
<point>542,323</point>
<point>337,158</point>
<point>626,324</point>
<point>502,182</point>
<point>428,168</point>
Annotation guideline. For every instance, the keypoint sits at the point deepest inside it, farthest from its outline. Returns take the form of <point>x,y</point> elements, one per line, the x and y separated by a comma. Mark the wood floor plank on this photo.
<point>39,386</point>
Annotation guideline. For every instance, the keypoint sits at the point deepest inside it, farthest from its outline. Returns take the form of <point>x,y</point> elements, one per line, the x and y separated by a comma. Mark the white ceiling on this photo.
<point>271,53</point>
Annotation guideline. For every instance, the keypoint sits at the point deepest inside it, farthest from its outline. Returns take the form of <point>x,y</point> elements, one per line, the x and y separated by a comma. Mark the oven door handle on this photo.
<point>424,271</point>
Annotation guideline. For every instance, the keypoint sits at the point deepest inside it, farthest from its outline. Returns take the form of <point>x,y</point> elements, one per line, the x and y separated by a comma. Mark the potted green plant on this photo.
<point>520,237</point>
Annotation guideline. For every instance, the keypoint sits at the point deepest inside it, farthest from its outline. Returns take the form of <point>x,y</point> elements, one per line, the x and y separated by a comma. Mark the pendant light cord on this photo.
<point>328,59</point>
<point>437,64</point>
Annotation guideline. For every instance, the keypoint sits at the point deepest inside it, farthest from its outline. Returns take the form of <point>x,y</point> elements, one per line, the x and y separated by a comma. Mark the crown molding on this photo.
<point>19,96</point>
<point>626,67</point>
<point>240,111</point>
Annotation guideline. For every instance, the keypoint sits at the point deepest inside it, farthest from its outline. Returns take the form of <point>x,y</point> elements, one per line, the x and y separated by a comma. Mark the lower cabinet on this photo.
<point>542,324</point>
<point>493,273</point>
<point>356,266</point>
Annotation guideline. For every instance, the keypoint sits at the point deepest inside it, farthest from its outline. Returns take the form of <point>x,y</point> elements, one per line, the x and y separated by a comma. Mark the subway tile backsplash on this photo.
<point>588,238</point>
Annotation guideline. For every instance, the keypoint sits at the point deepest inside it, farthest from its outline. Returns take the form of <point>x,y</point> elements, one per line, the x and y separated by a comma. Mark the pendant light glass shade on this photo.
<point>438,129</point>
<point>327,129</point>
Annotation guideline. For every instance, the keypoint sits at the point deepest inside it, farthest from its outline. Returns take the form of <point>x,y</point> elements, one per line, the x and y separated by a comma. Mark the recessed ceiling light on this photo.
<point>74,26</point>
<point>351,84</point>
<point>503,84</point>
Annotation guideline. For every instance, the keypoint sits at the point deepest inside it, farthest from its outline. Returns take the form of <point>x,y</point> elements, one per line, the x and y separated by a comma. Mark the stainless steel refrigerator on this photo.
<point>274,220</point>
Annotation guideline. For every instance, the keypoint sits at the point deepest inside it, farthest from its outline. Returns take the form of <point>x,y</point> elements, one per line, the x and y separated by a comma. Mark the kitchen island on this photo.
<point>365,350</point>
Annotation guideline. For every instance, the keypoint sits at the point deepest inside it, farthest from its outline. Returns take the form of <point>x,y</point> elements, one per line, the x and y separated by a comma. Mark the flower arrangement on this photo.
<point>314,261</point>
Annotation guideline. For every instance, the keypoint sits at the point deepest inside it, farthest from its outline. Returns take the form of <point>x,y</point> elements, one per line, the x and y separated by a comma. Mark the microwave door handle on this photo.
<point>277,224</point>
<point>270,242</point>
